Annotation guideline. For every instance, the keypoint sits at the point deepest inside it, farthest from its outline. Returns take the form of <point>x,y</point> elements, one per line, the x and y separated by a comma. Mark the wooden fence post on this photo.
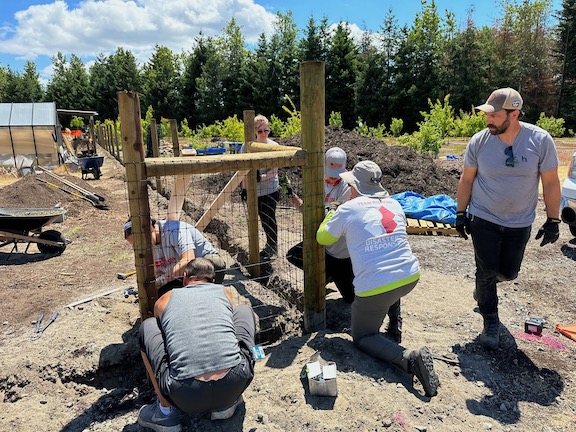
<point>175,142</point>
<point>136,182</point>
<point>112,148</point>
<point>155,151</point>
<point>252,201</point>
<point>313,110</point>
<point>116,142</point>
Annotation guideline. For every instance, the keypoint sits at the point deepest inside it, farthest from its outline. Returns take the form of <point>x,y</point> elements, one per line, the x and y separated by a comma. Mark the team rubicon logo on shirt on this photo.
<point>380,222</point>
<point>163,263</point>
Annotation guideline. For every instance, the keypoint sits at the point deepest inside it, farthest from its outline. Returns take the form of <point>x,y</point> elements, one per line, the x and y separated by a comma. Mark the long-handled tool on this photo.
<point>82,197</point>
<point>86,193</point>
<point>126,275</point>
<point>38,329</point>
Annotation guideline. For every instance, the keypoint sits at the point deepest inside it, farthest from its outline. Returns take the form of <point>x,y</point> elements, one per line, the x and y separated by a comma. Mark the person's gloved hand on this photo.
<point>243,195</point>
<point>462,225</point>
<point>161,280</point>
<point>258,176</point>
<point>550,231</point>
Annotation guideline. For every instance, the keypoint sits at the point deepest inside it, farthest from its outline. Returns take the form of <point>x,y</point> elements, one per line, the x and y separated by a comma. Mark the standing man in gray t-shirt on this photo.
<point>499,187</point>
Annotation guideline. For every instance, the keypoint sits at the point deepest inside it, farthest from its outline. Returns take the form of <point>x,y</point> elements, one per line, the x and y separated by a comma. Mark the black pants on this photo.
<point>499,252</point>
<point>267,212</point>
<point>338,270</point>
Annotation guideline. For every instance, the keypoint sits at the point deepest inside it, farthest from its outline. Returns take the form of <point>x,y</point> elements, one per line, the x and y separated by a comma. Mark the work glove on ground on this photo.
<point>243,195</point>
<point>462,225</point>
<point>550,231</point>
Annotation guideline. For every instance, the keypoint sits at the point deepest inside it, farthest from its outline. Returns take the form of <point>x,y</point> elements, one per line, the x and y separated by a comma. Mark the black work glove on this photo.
<point>462,225</point>
<point>258,176</point>
<point>550,231</point>
<point>243,195</point>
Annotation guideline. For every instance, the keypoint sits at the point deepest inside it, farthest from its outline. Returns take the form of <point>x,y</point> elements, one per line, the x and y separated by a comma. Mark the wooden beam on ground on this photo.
<point>425,227</point>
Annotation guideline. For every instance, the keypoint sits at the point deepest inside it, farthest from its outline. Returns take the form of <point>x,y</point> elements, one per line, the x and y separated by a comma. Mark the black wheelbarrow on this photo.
<point>91,165</point>
<point>24,225</point>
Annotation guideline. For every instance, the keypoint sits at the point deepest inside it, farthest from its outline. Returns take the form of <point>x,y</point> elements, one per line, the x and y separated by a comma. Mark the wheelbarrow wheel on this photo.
<point>52,235</point>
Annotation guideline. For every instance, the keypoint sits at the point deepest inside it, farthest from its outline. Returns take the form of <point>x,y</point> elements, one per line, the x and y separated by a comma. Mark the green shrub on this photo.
<point>396,126</point>
<point>335,119</point>
<point>276,126</point>
<point>185,130</point>
<point>165,128</point>
<point>233,129</point>
<point>426,140</point>
<point>368,131</point>
<point>553,126</point>
<point>440,117</point>
<point>293,124</point>
<point>466,125</point>
<point>76,122</point>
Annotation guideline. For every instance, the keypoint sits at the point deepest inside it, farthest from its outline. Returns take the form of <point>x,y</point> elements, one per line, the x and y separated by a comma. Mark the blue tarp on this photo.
<point>437,208</point>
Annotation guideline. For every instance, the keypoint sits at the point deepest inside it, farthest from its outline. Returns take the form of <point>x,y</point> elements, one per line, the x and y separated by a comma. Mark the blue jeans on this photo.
<point>498,251</point>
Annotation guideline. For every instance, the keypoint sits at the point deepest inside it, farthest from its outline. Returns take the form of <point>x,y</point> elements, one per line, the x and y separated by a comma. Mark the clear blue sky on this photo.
<point>37,29</point>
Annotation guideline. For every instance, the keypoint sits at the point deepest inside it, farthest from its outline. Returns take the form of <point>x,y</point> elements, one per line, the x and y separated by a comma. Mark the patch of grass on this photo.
<point>118,258</point>
<point>73,231</point>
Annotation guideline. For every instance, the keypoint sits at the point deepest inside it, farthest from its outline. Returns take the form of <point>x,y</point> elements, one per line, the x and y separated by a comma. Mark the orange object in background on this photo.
<point>76,133</point>
<point>568,330</point>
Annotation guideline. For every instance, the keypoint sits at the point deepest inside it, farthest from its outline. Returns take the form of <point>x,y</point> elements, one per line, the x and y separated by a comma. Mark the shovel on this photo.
<point>85,193</point>
<point>95,204</point>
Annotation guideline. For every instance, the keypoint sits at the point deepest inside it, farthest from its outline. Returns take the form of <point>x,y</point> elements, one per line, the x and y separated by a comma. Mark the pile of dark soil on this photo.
<point>402,168</point>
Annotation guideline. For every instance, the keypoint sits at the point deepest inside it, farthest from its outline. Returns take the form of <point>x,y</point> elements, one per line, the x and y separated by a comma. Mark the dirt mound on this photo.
<point>29,192</point>
<point>402,168</point>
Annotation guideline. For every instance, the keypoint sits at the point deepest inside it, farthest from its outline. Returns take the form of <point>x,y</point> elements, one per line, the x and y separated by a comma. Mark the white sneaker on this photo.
<point>226,413</point>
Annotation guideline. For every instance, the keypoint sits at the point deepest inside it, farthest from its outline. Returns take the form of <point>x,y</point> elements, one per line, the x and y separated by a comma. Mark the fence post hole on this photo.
<point>136,183</point>
<point>312,108</point>
<point>252,201</point>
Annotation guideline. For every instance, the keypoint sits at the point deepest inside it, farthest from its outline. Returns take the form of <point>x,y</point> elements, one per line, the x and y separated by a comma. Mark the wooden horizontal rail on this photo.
<point>224,163</point>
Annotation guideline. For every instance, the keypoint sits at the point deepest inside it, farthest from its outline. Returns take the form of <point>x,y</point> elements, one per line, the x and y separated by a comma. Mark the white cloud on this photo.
<point>102,26</point>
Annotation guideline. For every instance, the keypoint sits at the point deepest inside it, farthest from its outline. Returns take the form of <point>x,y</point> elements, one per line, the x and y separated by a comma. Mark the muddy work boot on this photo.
<point>421,364</point>
<point>394,329</point>
<point>490,337</point>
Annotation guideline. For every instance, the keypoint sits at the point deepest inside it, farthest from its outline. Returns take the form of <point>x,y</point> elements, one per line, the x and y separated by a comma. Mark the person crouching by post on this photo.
<point>174,244</point>
<point>385,269</point>
<point>196,350</point>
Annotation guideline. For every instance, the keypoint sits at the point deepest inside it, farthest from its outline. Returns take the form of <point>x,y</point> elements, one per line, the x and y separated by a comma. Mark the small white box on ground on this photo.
<point>322,379</point>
